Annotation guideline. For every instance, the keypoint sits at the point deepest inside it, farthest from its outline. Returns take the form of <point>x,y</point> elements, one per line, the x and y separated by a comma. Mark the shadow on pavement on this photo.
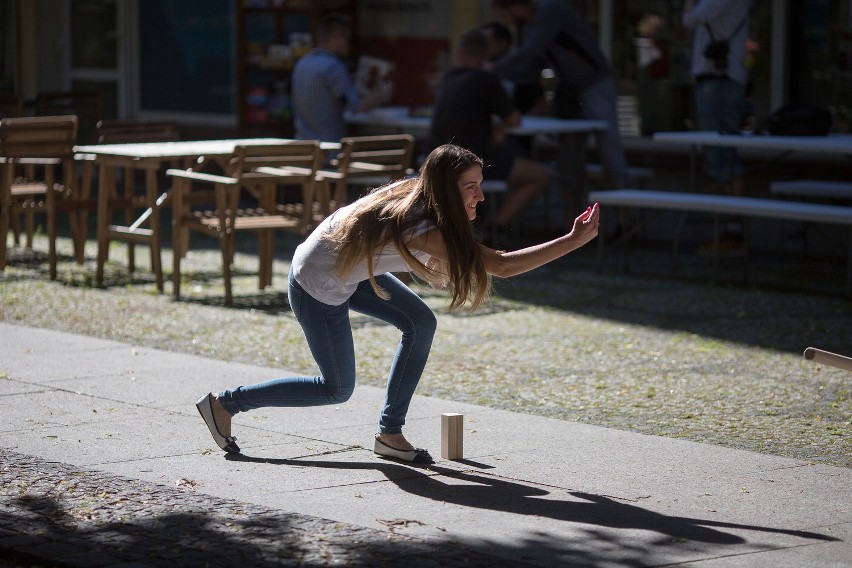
<point>485,491</point>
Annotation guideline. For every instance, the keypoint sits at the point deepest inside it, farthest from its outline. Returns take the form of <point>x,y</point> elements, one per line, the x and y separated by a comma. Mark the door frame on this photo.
<point>121,75</point>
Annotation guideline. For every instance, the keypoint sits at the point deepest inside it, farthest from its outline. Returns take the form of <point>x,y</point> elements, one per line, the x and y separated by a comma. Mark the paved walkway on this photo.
<point>107,462</point>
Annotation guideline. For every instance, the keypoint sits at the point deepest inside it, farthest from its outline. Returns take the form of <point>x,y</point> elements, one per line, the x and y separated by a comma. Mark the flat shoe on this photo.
<point>417,455</point>
<point>205,408</point>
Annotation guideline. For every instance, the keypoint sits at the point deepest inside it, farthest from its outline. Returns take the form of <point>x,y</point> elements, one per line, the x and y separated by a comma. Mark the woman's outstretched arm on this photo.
<point>505,264</point>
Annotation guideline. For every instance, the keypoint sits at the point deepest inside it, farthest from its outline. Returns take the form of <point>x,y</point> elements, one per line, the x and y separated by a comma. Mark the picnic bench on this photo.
<point>808,189</point>
<point>811,188</point>
<point>718,205</point>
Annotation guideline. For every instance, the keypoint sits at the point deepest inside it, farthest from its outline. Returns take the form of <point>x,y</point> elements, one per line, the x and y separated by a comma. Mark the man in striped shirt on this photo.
<point>322,88</point>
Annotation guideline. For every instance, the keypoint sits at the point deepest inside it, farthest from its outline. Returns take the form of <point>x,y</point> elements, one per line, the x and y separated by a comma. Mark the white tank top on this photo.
<point>314,262</point>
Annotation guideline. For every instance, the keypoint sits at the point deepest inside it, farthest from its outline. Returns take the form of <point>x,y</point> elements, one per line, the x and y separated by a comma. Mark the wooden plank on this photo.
<point>828,358</point>
<point>198,176</point>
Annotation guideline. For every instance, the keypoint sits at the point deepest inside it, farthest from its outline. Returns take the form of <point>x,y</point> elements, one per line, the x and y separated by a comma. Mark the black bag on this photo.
<point>717,52</point>
<point>718,49</point>
<point>799,120</point>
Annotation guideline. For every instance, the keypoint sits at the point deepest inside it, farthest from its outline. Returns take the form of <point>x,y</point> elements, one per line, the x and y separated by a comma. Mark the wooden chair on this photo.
<point>253,172</point>
<point>38,176</point>
<point>136,130</point>
<point>366,161</point>
<point>149,203</point>
<point>12,106</point>
<point>86,105</point>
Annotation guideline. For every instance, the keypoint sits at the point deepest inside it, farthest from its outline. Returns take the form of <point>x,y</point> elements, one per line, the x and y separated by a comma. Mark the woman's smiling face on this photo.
<point>471,191</point>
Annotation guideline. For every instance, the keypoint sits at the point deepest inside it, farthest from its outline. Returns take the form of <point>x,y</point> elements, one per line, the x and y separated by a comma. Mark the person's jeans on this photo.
<point>717,108</point>
<point>596,102</point>
<point>600,102</point>
<point>329,336</point>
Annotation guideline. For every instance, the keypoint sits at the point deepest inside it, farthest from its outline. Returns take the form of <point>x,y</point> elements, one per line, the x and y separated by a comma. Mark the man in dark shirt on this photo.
<point>555,33</point>
<point>472,110</point>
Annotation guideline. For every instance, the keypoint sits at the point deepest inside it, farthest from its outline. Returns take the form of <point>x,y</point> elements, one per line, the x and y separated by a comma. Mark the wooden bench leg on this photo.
<point>177,234</point>
<point>84,193</point>
<point>51,223</point>
<point>227,258</point>
<point>106,186</point>
<point>5,205</point>
<point>129,194</point>
<point>265,239</point>
<point>15,227</point>
<point>154,203</point>
<point>29,228</point>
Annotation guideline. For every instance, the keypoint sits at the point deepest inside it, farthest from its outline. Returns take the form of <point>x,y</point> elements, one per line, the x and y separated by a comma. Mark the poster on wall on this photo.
<point>410,36</point>
<point>374,75</point>
<point>405,18</point>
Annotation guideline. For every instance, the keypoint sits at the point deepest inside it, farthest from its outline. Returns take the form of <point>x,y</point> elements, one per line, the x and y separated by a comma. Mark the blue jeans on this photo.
<point>329,336</point>
<point>717,107</point>
<point>600,102</point>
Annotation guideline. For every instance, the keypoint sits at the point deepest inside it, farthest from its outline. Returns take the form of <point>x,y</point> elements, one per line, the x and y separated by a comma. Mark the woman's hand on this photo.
<point>586,225</point>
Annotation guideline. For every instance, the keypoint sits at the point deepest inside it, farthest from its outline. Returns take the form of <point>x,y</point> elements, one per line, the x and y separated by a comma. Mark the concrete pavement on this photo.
<point>530,491</point>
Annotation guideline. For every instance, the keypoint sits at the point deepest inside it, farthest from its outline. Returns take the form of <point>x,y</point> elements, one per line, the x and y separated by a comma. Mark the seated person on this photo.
<point>469,98</point>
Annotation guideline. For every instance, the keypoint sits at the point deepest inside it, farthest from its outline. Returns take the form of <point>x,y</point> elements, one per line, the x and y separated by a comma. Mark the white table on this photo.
<point>833,143</point>
<point>839,144</point>
<point>530,125</point>
<point>571,137</point>
<point>169,151</point>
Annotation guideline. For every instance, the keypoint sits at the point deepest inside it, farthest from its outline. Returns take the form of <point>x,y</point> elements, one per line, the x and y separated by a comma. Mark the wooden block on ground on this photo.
<point>452,441</point>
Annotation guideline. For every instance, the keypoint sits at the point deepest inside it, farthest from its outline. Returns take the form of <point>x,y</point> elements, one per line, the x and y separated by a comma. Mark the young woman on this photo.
<point>421,224</point>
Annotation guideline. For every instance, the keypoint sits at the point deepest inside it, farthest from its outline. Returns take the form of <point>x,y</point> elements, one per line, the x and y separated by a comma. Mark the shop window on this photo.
<point>821,50</point>
<point>186,51</point>
<point>8,48</point>
<point>93,34</point>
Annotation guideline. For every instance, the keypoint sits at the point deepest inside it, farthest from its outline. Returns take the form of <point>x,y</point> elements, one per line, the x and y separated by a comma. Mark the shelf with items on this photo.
<point>272,35</point>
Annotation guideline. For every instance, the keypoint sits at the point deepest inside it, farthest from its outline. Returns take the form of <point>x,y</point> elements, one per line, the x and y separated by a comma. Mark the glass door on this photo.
<point>98,48</point>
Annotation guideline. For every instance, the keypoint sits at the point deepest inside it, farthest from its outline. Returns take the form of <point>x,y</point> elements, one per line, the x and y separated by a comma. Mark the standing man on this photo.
<point>528,95</point>
<point>322,88</point>
<point>556,34</point>
<point>718,67</point>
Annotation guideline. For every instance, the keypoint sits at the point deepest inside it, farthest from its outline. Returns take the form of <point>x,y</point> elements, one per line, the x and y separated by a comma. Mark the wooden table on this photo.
<point>150,157</point>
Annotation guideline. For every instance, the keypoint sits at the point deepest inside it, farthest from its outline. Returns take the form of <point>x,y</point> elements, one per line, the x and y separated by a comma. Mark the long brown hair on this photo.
<point>389,213</point>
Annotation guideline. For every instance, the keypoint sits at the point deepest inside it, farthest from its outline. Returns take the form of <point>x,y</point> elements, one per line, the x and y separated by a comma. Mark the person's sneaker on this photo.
<point>729,245</point>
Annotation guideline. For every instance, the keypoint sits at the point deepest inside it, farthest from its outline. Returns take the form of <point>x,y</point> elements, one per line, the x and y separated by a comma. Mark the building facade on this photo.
<point>196,61</point>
